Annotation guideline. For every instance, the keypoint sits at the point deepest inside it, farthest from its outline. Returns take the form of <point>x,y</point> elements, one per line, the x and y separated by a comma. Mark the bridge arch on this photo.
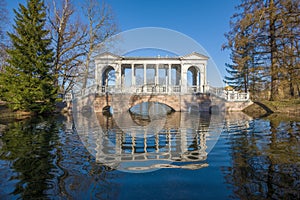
<point>108,76</point>
<point>172,102</point>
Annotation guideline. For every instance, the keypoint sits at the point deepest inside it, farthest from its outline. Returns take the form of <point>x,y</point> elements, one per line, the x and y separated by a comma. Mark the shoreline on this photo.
<point>266,108</point>
<point>258,109</point>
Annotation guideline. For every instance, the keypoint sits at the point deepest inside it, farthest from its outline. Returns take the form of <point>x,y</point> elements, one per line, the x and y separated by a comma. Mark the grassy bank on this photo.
<point>264,108</point>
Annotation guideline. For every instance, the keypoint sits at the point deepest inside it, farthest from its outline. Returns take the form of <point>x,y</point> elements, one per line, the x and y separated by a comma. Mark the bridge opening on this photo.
<point>193,79</point>
<point>107,110</point>
<point>109,77</point>
<point>192,75</point>
<point>214,110</point>
<point>151,109</point>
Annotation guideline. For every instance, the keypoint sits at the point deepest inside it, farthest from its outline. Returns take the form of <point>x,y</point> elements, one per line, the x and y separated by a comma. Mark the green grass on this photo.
<point>265,108</point>
<point>281,105</point>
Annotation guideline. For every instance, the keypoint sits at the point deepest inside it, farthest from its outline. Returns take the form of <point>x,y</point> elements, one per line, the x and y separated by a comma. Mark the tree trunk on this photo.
<point>273,49</point>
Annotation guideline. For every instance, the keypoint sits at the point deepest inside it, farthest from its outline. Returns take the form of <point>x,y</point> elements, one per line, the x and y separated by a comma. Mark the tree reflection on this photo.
<point>29,147</point>
<point>266,160</point>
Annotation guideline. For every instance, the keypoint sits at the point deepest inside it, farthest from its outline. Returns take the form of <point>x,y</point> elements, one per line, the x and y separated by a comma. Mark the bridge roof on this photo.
<point>191,56</point>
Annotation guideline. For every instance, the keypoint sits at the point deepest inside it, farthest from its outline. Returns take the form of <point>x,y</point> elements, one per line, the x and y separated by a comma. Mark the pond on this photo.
<point>168,156</point>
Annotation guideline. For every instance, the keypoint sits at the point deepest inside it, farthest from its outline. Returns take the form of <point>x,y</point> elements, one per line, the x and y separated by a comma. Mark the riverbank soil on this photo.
<point>265,108</point>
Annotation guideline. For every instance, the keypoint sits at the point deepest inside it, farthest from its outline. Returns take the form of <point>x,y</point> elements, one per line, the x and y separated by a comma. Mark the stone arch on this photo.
<point>171,101</point>
<point>108,75</point>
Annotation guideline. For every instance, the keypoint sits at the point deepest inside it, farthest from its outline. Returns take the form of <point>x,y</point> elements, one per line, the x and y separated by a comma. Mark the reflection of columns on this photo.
<point>156,143</point>
<point>183,141</point>
<point>145,74</point>
<point>132,75</point>
<point>118,145</point>
<point>133,143</point>
<point>145,144</point>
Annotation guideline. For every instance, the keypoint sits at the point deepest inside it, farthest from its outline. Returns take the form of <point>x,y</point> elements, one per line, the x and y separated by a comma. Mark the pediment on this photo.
<point>195,56</point>
<point>108,55</point>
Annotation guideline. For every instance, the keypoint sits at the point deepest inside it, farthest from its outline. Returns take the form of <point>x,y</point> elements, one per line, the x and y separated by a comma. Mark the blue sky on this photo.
<point>205,21</point>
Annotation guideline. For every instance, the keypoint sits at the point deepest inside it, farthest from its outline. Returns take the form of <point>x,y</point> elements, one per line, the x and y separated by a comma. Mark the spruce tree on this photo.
<point>27,81</point>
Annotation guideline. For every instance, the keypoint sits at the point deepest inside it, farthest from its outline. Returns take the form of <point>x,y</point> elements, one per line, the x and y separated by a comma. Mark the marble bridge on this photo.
<point>178,82</point>
<point>137,143</point>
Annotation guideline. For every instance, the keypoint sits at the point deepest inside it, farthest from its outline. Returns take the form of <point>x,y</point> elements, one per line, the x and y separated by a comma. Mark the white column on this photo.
<point>96,75</point>
<point>204,78</point>
<point>198,80</point>
<point>169,74</point>
<point>156,74</point>
<point>132,75</point>
<point>202,84</point>
<point>169,80</point>
<point>166,75</point>
<point>118,74</point>
<point>123,77</point>
<point>145,74</point>
<point>183,79</point>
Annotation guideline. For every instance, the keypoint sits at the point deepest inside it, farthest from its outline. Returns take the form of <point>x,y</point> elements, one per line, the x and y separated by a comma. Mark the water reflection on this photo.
<point>128,141</point>
<point>27,158</point>
<point>266,159</point>
<point>43,158</point>
<point>147,137</point>
<point>46,158</point>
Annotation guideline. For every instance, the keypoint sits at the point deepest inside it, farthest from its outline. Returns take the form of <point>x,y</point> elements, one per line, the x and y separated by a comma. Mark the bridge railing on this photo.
<point>68,97</point>
<point>236,96</point>
<point>229,95</point>
<point>162,89</point>
<point>193,89</point>
<point>142,89</point>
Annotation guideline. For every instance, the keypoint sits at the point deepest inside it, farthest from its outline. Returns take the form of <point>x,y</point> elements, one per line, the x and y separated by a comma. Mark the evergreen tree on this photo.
<point>27,81</point>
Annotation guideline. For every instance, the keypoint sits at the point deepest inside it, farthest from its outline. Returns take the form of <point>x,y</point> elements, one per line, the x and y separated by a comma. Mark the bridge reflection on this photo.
<point>139,142</point>
<point>136,142</point>
<point>133,141</point>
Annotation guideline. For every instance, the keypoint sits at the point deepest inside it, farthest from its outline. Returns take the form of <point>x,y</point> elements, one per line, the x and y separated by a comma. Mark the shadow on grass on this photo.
<point>265,108</point>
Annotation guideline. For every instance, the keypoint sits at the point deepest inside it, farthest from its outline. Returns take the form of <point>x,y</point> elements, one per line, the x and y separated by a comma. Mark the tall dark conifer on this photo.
<point>28,78</point>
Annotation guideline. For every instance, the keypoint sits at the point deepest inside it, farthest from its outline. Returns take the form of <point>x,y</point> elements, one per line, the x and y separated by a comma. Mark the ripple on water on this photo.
<point>251,159</point>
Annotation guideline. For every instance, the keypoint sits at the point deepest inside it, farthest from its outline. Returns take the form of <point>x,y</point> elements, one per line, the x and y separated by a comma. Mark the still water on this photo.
<point>131,156</point>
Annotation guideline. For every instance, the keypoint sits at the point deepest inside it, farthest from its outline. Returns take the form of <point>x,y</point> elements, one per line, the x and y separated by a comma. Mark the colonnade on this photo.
<point>170,74</point>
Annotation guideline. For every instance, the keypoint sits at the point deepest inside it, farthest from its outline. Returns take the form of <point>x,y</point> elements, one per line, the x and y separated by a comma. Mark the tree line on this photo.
<point>264,45</point>
<point>49,49</point>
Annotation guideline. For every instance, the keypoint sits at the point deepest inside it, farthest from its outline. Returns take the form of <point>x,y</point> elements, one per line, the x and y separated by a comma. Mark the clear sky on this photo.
<point>205,21</point>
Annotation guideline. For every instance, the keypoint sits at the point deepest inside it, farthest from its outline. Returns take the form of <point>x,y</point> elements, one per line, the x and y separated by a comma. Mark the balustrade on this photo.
<point>159,89</point>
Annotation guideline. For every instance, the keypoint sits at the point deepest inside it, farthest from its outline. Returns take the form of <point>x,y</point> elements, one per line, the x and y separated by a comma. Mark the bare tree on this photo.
<point>76,34</point>
<point>68,36</point>
<point>101,26</point>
